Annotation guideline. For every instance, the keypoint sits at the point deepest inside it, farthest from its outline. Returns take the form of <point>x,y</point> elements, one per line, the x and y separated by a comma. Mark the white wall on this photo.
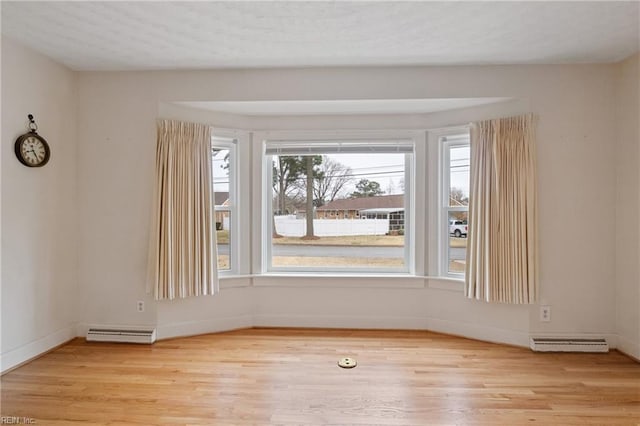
<point>628,206</point>
<point>116,127</point>
<point>39,221</point>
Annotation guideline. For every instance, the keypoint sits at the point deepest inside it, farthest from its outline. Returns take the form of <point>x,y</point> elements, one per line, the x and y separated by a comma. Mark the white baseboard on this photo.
<point>192,328</point>
<point>17,356</point>
<point>628,347</point>
<point>24,353</point>
<point>334,321</point>
<point>479,332</point>
<point>468,330</point>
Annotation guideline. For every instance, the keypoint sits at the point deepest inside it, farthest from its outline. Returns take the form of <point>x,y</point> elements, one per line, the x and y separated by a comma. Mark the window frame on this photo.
<point>452,139</point>
<point>316,138</point>
<point>224,139</point>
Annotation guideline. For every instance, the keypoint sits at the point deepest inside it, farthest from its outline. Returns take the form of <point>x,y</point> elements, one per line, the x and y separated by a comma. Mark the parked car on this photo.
<point>458,228</point>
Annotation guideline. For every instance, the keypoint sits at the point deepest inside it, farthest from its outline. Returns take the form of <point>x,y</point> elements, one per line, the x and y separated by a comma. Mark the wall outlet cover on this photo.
<point>545,313</point>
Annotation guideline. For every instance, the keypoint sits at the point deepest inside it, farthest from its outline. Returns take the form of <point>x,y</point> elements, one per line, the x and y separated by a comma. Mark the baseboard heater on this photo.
<point>540,344</point>
<point>121,335</point>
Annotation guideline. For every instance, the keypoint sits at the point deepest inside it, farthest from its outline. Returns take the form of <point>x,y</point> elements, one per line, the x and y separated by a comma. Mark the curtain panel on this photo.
<point>502,250</point>
<point>183,252</point>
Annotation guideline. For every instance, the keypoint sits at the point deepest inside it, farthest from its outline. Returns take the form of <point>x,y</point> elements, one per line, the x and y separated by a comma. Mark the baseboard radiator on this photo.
<point>146,336</point>
<point>541,344</point>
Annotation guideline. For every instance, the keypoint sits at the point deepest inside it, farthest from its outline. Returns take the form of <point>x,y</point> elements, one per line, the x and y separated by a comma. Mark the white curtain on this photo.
<point>502,250</point>
<point>183,252</point>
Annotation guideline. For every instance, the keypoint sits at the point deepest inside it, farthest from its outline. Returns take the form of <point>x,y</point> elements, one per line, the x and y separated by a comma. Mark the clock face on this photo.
<point>32,150</point>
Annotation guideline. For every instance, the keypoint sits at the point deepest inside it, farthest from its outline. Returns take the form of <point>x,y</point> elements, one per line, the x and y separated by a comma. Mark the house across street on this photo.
<point>380,215</point>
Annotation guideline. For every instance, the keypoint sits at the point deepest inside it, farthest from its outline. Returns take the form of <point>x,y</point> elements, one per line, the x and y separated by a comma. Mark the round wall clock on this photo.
<point>32,149</point>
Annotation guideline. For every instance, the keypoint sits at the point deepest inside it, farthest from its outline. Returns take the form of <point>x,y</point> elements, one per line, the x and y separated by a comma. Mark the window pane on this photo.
<point>339,211</point>
<point>459,158</point>
<point>221,160</point>
<point>223,238</point>
<point>457,241</point>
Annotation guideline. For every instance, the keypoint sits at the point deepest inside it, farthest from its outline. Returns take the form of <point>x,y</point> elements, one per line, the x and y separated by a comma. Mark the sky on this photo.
<point>220,175</point>
<point>385,169</point>
<point>459,178</point>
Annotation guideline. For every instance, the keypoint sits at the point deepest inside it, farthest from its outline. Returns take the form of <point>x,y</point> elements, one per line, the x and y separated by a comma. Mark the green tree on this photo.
<point>367,188</point>
<point>286,173</point>
<point>289,176</point>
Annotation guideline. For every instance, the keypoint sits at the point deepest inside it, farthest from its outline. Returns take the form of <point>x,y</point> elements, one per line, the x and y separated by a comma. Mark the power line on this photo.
<point>376,167</point>
<point>395,173</point>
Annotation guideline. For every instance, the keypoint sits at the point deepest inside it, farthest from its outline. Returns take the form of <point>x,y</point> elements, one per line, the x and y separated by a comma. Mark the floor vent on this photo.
<point>539,344</point>
<point>121,335</point>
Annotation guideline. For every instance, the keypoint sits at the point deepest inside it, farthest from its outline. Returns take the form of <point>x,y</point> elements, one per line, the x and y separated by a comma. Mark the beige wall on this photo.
<point>96,195</point>
<point>577,191</point>
<point>39,221</point>
<point>628,205</point>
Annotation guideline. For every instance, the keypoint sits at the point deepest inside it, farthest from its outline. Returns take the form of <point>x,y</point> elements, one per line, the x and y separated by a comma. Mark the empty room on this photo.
<point>320,213</point>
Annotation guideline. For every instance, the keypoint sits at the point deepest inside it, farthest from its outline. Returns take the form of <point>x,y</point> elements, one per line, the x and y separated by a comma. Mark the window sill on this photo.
<point>234,281</point>
<point>337,280</point>
<point>445,283</point>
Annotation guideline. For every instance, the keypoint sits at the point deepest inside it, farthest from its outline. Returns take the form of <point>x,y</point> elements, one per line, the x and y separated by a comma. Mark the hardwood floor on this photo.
<point>290,376</point>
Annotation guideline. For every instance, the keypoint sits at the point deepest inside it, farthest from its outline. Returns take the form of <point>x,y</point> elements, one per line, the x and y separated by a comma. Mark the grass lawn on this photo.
<point>355,240</point>
<point>223,261</point>
<point>457,242</point>
<point>355,262</point>
<point>222,237</point>
<point>454,265</point>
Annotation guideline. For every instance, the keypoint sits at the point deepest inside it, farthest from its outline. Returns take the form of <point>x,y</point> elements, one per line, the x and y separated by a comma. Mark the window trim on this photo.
<point>315,137</point>
<point>444,207</point>
<point>436,249</point>
<point>227,139</point>
<point>436,230</point>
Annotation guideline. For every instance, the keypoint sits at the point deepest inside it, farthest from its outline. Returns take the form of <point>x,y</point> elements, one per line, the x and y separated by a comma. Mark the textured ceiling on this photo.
<point>199,35</point>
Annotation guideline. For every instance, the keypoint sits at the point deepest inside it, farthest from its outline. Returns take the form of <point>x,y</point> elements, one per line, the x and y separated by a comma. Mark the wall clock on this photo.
<point>32,149</point>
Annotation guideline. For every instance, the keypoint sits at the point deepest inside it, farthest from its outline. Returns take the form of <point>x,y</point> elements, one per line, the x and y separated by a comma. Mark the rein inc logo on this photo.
<point>15,420</point>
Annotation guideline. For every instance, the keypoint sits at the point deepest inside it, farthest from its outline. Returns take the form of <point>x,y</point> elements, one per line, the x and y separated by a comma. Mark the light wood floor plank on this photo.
<point>291,377</point>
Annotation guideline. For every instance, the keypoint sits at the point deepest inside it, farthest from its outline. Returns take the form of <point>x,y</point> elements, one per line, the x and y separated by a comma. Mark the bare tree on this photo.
<point>332,176</point>
<point>225,164</point>
<point>391,187</point>
<point>457,197</point>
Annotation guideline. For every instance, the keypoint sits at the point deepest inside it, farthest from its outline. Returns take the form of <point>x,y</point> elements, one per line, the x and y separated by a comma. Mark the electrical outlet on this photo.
<point>140,306</point>
<point>545,313</point>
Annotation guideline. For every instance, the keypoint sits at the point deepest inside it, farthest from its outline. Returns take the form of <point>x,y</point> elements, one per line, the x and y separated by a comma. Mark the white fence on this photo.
<point>289,226</point>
